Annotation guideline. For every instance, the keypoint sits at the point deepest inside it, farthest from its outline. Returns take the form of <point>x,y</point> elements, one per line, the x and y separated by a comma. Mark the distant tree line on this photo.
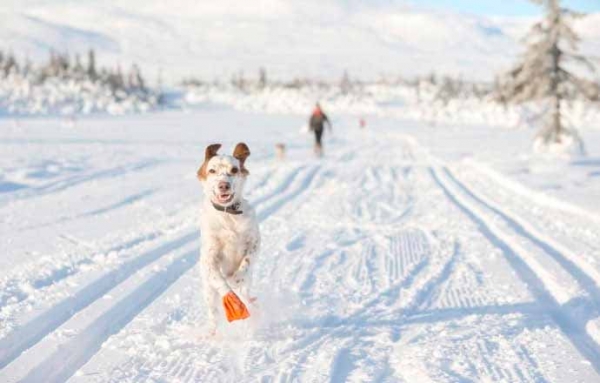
<point>431,87</point>
<point>66,67</point>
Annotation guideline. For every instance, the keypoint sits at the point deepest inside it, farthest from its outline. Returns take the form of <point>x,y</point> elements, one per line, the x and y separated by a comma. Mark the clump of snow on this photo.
<point>567,145</point>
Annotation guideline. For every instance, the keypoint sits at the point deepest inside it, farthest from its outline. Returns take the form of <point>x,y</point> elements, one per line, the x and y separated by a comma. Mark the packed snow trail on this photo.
<point>380,262</point>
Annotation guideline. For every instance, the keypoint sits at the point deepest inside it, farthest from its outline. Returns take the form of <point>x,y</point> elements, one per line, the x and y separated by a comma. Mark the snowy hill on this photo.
<point>190,38</point>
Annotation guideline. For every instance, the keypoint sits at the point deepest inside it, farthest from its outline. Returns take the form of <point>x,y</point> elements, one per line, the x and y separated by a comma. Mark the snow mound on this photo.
<point>21,96</point>
<point>566,145</point>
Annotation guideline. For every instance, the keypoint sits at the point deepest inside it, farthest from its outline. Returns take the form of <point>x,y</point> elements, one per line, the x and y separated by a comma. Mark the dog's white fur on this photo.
<point>230,242</point>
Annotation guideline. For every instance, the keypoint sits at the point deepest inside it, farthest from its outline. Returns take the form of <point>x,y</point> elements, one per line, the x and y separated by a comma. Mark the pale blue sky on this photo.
<point>504,7</point>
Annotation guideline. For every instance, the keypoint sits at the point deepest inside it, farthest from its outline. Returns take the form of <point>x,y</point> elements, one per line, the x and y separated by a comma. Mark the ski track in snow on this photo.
<point>379,263</point>
<point>572,327</point>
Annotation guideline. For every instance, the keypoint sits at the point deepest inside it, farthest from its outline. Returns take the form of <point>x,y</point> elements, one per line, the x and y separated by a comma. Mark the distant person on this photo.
<point>317,120</point>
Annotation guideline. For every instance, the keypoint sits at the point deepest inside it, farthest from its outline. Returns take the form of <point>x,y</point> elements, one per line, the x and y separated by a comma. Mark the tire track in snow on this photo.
<point>67,359</point>
<point>63,364</point>
<point>32,332</point>
<point>571,327</point>
<point>66,269</point>
<point>415,275</point>
<point>566,259</point>
<point>281,187</point>
<point>62,184</point>
<point>533,196</point>
<point>298,187</point>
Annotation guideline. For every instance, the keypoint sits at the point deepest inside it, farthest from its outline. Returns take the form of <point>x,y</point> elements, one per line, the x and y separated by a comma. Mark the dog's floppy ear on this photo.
<point>241,152</point>
<point>210,152</point>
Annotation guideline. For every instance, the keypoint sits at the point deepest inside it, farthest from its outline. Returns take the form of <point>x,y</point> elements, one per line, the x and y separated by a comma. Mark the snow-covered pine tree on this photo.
<point>262,78</point>
<point>448,89</point>
<point>545,72</point>
<point>115,80</point>
<point>64,64</point>
<point>135,80</point>
<point>345,83</point>
<point>10,65</point>
<point>27,66</point>
<point>78,70</point>
<point>91,70</point>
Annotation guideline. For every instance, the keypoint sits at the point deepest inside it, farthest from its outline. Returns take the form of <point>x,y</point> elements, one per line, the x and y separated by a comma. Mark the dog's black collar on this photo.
<point>233,209</point>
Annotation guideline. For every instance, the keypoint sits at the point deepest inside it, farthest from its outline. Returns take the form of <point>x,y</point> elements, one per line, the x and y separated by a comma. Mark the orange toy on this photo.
<point>235,309</point>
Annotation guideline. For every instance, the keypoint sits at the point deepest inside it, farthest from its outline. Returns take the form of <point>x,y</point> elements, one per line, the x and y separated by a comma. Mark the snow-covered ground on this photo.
<point>409,253</point>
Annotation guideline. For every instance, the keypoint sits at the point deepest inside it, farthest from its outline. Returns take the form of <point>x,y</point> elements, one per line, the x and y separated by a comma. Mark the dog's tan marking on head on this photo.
<point>210,152</point>
<point>241,152</point>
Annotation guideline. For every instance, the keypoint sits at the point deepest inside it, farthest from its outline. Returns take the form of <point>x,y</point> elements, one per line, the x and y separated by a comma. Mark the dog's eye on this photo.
<point>212,171</point>
<point>234,170</point>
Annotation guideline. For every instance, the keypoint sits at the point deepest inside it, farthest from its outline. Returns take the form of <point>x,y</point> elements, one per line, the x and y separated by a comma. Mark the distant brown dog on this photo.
<point>280,151</point>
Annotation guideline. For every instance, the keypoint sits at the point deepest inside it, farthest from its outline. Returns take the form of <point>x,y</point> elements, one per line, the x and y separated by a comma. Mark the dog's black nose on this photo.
<point>224,186</point>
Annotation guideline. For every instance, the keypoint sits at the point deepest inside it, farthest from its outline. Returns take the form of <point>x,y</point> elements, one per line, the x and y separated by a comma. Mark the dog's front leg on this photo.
<point>215,285</point>
<point>210,261</point>
<point>211,271</point>
<point>241,280</point>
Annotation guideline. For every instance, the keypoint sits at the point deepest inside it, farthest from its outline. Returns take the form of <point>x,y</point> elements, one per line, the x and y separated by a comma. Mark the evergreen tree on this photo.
<point>10,65</point>
<point>91,71</point>
<point>239,81</point>
<point>78,67</point>
<point>116,80</point>
<point>345,83</point>
<point>448,90</point>
<point>262,78</point>
<point>53,64</point>
<point>135,79</point>
<point>432,79</point>
<point>64,64</point>
<point>543,75</point>
<point>27,66</point>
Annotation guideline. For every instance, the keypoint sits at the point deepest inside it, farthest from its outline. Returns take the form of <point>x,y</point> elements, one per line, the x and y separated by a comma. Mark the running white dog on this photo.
<point>230,234</point>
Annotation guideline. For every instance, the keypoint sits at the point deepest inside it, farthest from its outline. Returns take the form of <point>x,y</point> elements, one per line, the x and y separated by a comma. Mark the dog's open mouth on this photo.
<point>223,198</point>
